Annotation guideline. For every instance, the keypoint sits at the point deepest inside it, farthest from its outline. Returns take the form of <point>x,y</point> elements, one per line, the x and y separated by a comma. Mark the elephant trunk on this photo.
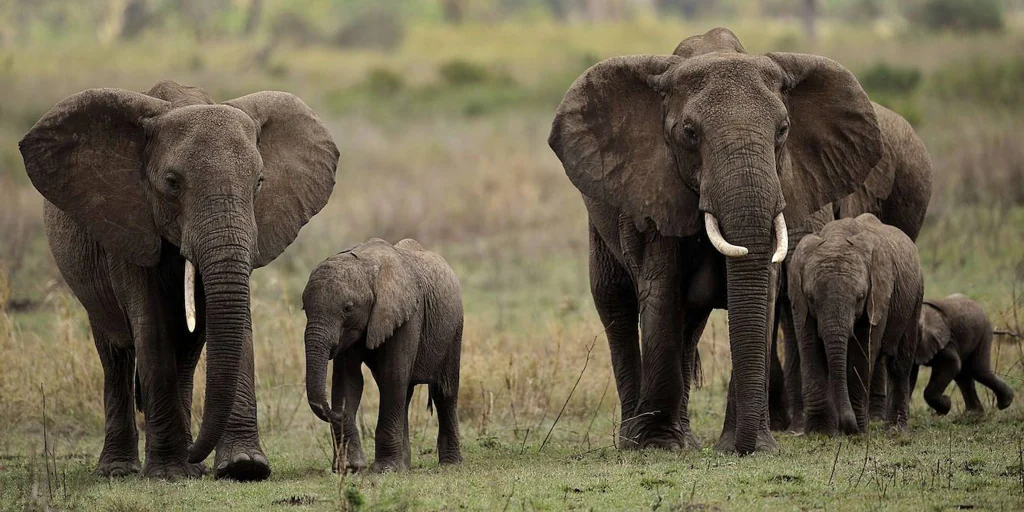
<point>228,328</point>
<point>836,350</point>
<point>745,196</point>
<point>318,342</point>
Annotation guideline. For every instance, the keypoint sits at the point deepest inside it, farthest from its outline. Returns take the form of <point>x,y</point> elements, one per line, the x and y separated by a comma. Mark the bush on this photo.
<point>889,79</point>
<point>384,82</point>
<point>982,81</point>
<point>958,15</point>
<point>459,72</point>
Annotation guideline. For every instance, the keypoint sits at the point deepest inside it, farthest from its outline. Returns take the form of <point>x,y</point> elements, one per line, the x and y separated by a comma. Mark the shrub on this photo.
<point>982,81</point>
<point>958,15</point>
<point>384,81</point>
<point>460,72</point>
<point>885,78</point>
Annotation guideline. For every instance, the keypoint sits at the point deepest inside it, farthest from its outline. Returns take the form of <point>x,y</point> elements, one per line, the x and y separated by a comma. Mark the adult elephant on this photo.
<point>683,159</point>
<point>897,191</point>
<point>158,207</point>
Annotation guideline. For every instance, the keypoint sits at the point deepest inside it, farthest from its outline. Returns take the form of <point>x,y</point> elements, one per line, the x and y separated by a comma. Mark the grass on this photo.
<point>464,168</point>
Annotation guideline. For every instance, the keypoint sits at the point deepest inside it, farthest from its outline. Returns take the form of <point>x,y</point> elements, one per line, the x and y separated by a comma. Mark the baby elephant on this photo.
<point>399,310</point>
<point>956,342</point>
<point>856,291</point>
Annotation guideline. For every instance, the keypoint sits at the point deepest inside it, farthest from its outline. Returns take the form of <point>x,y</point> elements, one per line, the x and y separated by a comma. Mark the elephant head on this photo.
<point>362,295</point>
<point>841,285</point>
<point>715,139</point>
<point>227,186</point>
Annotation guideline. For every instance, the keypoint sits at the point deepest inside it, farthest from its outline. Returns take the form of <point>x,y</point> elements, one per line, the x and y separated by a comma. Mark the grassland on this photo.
<point>461,164</point>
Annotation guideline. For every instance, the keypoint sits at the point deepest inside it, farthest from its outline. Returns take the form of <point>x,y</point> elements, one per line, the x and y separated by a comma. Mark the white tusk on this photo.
<point>727,249</point>
<point>781,239</point>
<point>190,295</point>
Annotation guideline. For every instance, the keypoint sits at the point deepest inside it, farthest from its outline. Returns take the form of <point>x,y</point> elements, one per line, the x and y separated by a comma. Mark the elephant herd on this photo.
<point>767,185</point>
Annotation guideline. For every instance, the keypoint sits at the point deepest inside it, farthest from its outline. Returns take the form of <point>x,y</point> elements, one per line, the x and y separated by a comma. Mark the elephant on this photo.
<point>399,310</point>
<point>897,191</point>
<point>691,166</point>
<point>956,342</point>
<point>158,206</point>
<point>857,289</point>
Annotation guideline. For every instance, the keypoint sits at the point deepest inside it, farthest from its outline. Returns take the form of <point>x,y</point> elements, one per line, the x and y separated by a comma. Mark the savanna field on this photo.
<point>443,139</point>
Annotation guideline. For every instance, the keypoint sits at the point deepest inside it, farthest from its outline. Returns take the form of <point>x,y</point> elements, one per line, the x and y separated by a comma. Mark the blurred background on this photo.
<point>441,109</point>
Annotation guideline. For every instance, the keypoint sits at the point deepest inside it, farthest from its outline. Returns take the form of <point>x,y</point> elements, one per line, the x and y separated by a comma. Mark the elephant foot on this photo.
<point>1004,401</point>
<point>661,437</point>
<point>941,405</point>
<point>242,462</point>
<point>387,465</point>
<point>797,424</point>
<point>450,459</point>
<point>355,461</point>
<point>118,468</point>
<point>173,470</point>
<point>766,442</point>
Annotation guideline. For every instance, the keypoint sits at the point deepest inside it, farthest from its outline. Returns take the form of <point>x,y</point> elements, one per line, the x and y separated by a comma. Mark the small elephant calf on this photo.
<point>399,310</point>
<point>956,342</point>
<point>856,291</point>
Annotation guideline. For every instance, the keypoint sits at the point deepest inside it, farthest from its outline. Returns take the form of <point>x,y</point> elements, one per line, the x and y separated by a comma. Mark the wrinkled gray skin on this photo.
<point>857,289</point>
<point>135,184</point>
<point>653,142</point>
<point>897,192</point>
<point>956,342</point>
<point>399,310</point>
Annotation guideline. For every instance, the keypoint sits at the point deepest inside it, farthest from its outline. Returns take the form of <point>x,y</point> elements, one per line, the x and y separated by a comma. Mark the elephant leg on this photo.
<point>981,366</point>
<point>778,408</point>
<point>239,454</point>
<point>945,367</point>
<point>616,303</point>
<point>120,455</point>
<point>392,424</point>
<point>694,322</point>
<point>407,445</point>
<point>859,375</point>
<point>899,368</point>
<point>793,378</point>
<point>820,414</point>
<point>877,404</point>
<point>972,404</point>
<point>445,395</point>
<point>346,393</point>
<point>187,358</point>
<point>167,430</point>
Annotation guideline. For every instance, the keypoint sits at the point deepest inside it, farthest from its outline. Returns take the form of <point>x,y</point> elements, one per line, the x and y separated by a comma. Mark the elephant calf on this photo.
<point>856,291</point>
<point>956,342</point>
<point>399,310</point>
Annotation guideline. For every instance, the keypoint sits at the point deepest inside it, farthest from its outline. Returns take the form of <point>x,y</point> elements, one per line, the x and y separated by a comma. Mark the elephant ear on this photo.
<point>609,134</point>
<point>86,157</point>
<point>881,275</point>
<point>397,295</point>
<point>834,141</point>
<point>718,39</point>
<point>935,332</point>
<point>795,284</point>
<point>299,162</point>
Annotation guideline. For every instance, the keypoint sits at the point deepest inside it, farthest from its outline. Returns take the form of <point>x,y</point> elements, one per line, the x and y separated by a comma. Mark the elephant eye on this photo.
<point>259,184</point>
<point>781,133</point>
<point>173,183</point>
<point>348,307</point>
<point>689,135</point>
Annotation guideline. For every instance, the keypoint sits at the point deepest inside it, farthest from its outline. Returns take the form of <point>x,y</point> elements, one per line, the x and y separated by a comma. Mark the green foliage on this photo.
<point>377,28</point>
<point>384,82</point>
<point>958,15</point>
<point>993,83</point>
<point>886,78</point>
<point>460,72</point>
